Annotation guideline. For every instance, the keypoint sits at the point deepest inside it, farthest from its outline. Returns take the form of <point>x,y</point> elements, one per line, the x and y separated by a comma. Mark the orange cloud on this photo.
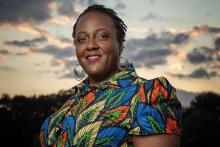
<point>57,42</point>
<point>197,30</point>
<point>172,31</point>
<point>24,53</point>
<point>139,30</point>
<point>2,57</point>
<point>178,66</point>
<point>27,28</point>
<point>61,20</point>
<point>58,62</point>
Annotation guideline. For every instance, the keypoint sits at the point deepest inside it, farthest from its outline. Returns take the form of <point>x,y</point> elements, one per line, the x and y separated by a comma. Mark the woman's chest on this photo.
<point>96,119</point>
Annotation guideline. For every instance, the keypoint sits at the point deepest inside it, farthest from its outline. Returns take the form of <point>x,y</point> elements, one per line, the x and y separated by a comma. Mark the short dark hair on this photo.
<point>119,23</point>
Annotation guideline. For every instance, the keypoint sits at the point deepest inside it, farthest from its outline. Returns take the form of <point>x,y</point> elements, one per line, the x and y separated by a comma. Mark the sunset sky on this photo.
<point>178,39</point>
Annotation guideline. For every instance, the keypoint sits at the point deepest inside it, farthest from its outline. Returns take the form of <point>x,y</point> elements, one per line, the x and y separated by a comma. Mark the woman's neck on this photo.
<point>97,79</point>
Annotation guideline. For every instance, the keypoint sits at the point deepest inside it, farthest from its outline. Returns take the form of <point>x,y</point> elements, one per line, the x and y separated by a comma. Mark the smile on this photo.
<point>93,57</point>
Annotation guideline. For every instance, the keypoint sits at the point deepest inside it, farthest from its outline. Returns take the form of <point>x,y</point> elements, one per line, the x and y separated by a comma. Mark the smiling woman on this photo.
<point>113,106</point>
<point>97,47</point>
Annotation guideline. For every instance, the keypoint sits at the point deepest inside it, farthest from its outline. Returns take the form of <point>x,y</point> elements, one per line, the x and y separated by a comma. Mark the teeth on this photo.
<point>93,57</point>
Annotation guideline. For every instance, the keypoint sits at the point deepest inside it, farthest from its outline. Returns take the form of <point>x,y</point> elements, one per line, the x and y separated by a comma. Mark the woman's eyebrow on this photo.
<point>81,32</point>
<point>100,29</point>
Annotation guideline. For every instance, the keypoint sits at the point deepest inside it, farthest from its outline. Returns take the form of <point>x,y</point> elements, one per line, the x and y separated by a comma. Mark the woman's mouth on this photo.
<point>93,58</point>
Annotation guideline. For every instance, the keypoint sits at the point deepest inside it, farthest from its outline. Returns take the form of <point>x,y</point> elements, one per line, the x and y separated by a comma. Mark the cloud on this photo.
<point>217,44</point>
<point>196,30</point>
<point>20,11</point>
<point>91,2</point>
<point>200,55</point>
<point>148,42</point>
<point>1,57</point>
<point>120,6</point>
<point>13,53</point>
<point>60,21</point>
<point>7,68</point>
<point>154,48</point>
<point>60,42</point>
<point>69,64</point>
<point>5,52</point>
<point>23,53</point>
<point>69,67</point>
<point>60,57</point>
<point>152,16</point>
<point>62,47</point>
<point>181,37</point>
<point>66,7</point>
<point>66,40</point>
<point>68,75</point>
<point>30,29</point>
<point>27,28</point>
<point>27,42</point>
<point>56,52</point>
<point>202,73</point>
<point>199,74</point>
<point>138,30</point>
<point>152,1</point>
<point>208,56</point>
<point>151,58</point>
<point>22,15</point>
<point>214,29</point>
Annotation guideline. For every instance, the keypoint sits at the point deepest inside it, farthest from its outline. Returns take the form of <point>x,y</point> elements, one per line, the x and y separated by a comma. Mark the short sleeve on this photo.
<point>156,109</point>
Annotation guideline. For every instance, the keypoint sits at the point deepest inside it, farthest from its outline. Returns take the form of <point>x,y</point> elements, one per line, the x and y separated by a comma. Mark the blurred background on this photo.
<point>178,39</point>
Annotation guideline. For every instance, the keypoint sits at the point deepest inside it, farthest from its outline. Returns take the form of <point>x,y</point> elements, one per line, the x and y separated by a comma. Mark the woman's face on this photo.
<point>97,47</point>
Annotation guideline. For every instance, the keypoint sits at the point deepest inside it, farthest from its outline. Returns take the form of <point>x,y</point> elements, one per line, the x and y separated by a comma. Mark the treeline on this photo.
<point>201,122</point>
<point>21,118</point>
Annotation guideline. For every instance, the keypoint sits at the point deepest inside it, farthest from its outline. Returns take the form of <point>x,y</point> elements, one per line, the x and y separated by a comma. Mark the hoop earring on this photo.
<point>79,72</point>
<point>123,63</point>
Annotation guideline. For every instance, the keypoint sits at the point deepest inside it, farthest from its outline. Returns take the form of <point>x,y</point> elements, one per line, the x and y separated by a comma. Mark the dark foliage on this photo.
<point>22,117</point>
<point>201,122</point>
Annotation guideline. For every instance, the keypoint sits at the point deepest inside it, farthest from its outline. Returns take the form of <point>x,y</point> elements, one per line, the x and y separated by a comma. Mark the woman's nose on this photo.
<point>91,45</point>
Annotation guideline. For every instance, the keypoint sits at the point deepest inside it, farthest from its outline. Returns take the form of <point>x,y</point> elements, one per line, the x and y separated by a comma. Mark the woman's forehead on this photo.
<point>95,20</point>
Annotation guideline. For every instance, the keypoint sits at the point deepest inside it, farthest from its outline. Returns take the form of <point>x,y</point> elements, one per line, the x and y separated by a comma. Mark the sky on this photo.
<point>178,39</point>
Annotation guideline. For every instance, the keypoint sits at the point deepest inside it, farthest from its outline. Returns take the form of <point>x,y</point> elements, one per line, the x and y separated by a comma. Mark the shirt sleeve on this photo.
<point>156,109</point>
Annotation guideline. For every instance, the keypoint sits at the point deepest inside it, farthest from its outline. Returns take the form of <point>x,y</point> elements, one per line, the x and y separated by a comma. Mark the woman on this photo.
<point>113,106</point>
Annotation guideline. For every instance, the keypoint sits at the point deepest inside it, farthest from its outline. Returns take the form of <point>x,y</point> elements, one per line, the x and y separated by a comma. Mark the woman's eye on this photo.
<point>81,39</point>
<point>102,36</point>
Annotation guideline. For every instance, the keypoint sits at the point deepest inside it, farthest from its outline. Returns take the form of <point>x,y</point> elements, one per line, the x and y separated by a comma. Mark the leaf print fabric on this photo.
<point>109,113</point>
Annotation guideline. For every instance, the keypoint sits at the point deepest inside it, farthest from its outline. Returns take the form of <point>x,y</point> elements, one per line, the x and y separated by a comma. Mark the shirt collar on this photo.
<point>120,79</point>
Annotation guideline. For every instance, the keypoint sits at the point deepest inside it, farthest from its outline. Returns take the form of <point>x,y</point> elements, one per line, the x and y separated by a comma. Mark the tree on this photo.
<point>201,122</point>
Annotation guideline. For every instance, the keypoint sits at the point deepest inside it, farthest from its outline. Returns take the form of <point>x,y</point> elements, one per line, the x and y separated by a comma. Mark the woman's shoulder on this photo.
<point>155,82</point>
<point>158,86</point>
<point>156,103</point>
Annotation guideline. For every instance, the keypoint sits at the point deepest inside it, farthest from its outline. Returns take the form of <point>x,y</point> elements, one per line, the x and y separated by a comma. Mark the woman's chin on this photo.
<point>94,73</point>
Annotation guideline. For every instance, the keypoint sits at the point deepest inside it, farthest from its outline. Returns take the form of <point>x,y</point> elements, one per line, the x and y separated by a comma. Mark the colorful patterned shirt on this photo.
<point>109,113</point>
